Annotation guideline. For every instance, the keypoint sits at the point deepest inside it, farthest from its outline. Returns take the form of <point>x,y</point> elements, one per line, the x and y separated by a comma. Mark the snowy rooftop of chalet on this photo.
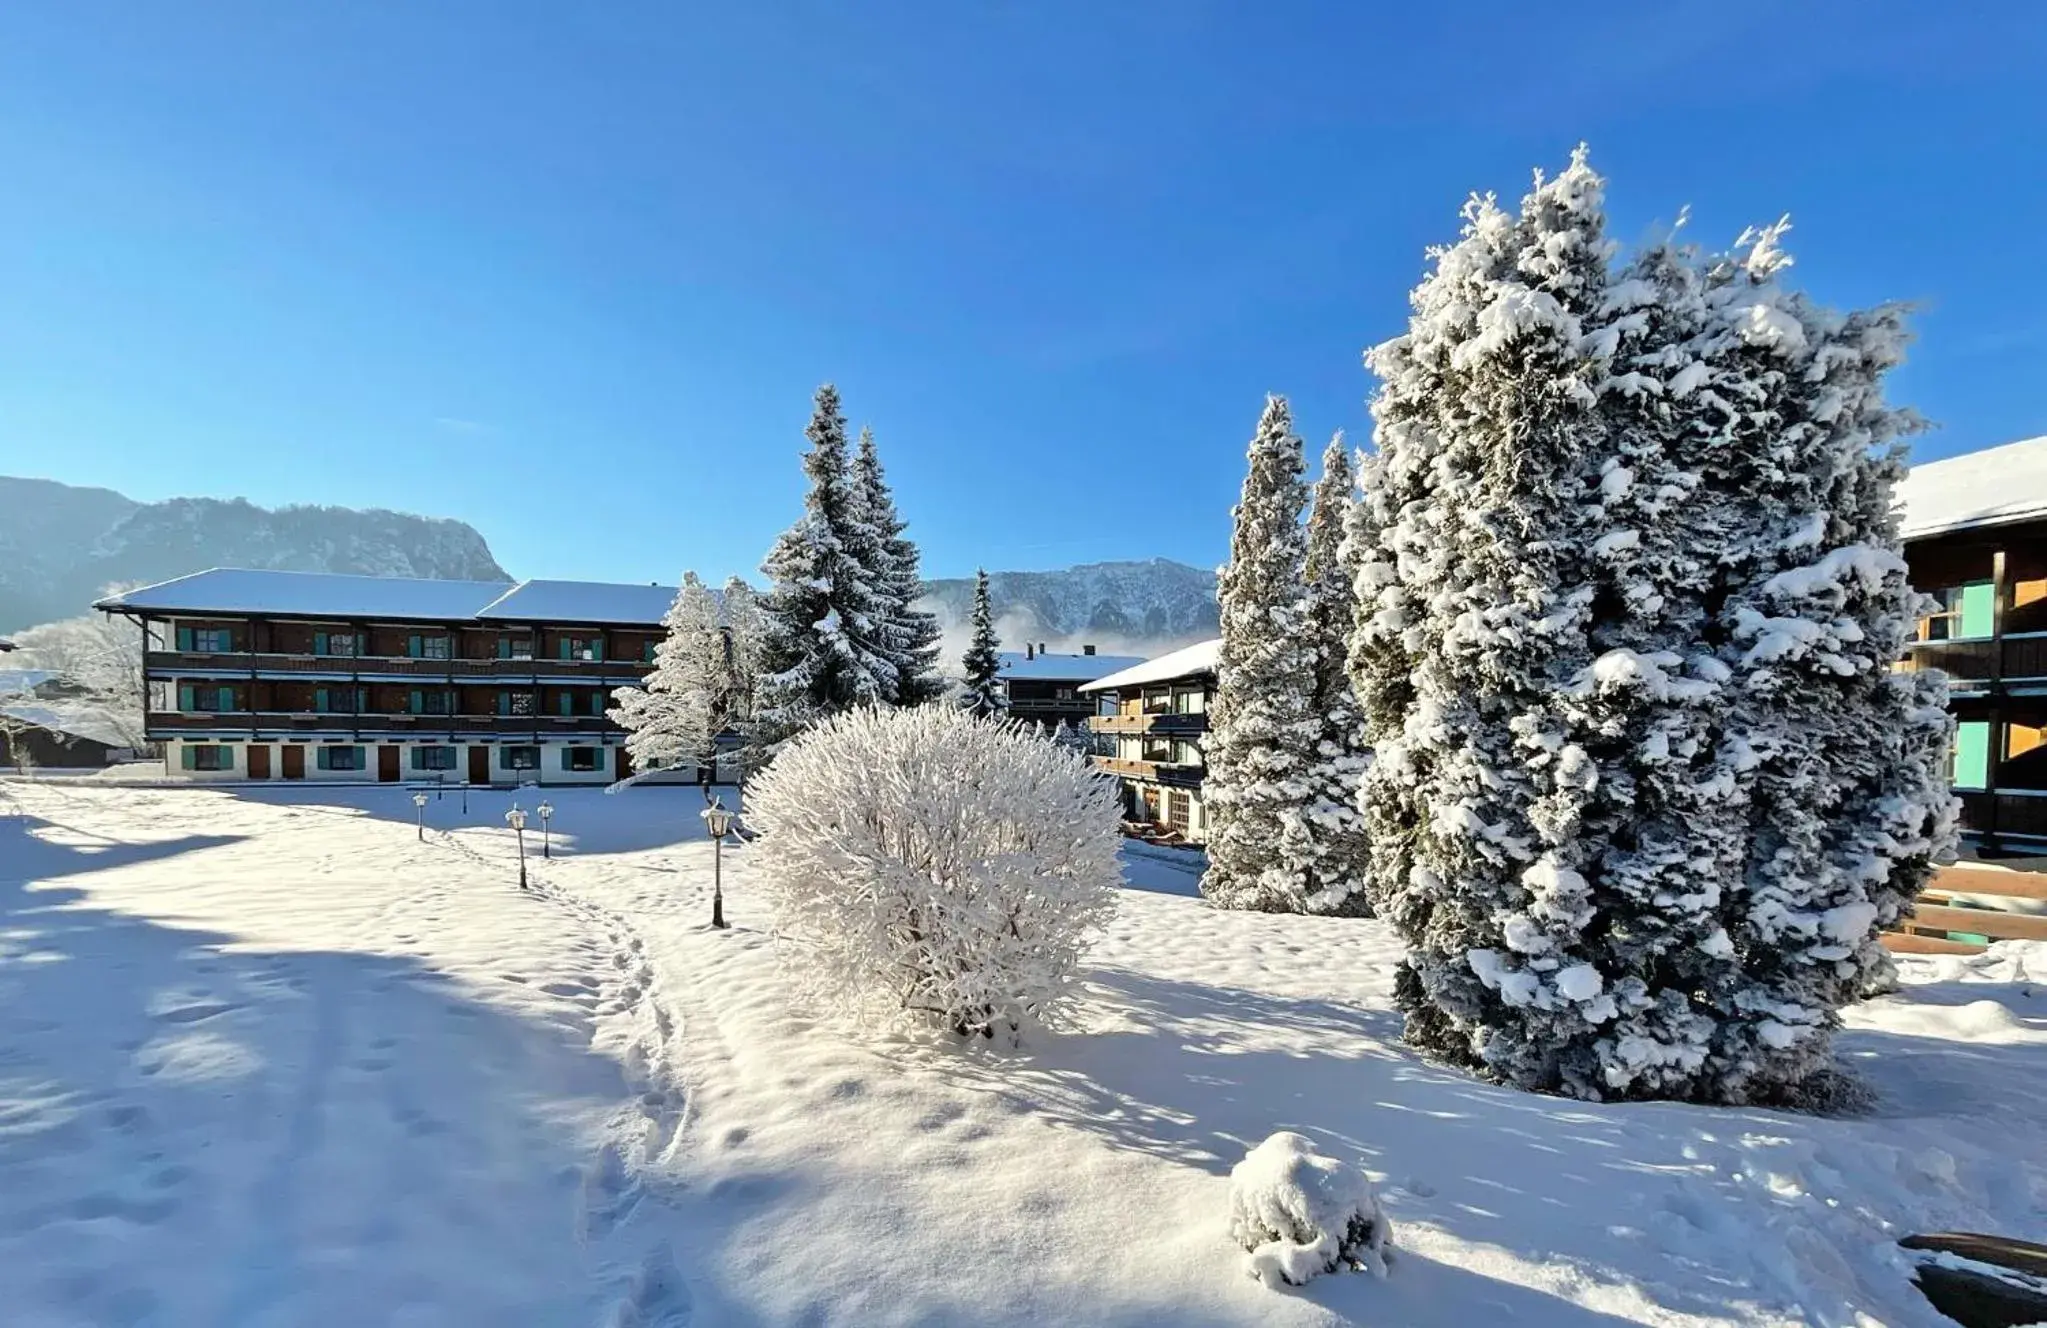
<point>1987,488</point>
<point>1198,658</point>
<point>580,602</point>
<point>1061,667</point>
<point>329,595</point>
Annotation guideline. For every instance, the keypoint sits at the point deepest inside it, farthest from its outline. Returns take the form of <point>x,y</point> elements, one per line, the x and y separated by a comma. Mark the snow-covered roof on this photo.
<point>309,595</point>
<point>1060,667</point>
<point>16,681</point>
<point>580,602</point>
<point>1991,487</point>
<point>70,723</point>
<point>331,595</point>
<point>1197,658</point>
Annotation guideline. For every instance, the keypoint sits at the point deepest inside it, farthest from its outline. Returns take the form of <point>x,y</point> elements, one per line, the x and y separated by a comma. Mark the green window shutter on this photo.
<point>1972,754</point>
<point>185,700</point>
<point>565,758</point>
<point>504,647</point>
<point>418,701</point>
<point>184,638</point>
<point>504,703</point>
<point>224,698</point>
<point>320,758</point>
<point>567,703</point>
<point>319,643</point>
<point>188,758</point>
<point>597,648</point>
<point>320,699</point>
<point>1979,608</point>
<point>564,645</point>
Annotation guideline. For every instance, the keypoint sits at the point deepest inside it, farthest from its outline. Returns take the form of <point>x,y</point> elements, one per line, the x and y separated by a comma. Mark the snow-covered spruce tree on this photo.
<point>1601,521</point>
<point>1840,763</point>
<point>913,633</point>
<point>1336,830</point>
<point>679,708</point>
<point>929,868</point>
<point>825,623</point>
<point>981,693</point>
<point>1262,735</point>
<point>1510,662</point>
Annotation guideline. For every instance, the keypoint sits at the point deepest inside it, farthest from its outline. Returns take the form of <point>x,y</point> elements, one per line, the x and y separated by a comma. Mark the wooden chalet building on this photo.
<point>1975,531</point>
<point>1043,687</point>
<point>1157,723</point>
<point>300,675</point>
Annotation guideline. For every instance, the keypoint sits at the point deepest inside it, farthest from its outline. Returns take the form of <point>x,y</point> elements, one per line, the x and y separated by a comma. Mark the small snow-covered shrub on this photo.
<point>1300,1213</point>
<point>930,867</point>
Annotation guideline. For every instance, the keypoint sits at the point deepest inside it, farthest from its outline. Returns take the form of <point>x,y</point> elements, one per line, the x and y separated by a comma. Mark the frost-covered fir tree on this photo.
<point>1261,745</point>
<point>1839,762</point>
<point>981,692</point>
<point>743,628</point>
<point>826,622</point>
<point>1336,830</point>
<point>913,633</point>
<point>1606,511</point>
<point>682,704</point>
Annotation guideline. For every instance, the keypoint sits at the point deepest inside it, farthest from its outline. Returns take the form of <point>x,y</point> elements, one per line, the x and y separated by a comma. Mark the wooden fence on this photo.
<point>1943,926</point>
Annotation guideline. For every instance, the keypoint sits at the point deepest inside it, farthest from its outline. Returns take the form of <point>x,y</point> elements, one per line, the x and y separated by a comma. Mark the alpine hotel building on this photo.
<point>300,675</point>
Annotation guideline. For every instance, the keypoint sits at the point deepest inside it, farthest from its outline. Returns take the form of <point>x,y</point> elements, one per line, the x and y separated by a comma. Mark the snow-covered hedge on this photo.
<point>1300,1213</point>
<point>929,867</point>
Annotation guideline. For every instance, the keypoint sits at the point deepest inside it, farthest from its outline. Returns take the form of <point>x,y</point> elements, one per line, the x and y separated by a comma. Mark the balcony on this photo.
<point>1161,772</point>
<point>1168,723</point>
<point>196,663</point>
<point>284,724</point>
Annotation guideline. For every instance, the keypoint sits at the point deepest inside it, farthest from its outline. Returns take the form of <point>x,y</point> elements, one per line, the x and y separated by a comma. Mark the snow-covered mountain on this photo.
<point>61,545</point>
<point>1141,608</point>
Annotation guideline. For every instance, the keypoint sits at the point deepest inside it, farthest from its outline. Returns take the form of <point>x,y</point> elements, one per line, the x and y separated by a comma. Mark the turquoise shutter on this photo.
<point>597,648</point>
<point>320,699</point>
<point>565,647</point>
<point>188,758</point>
<point>185,643</point>
<point>1979,610</point>
<point>418,701</point>
<point>568,703</point>
<point>504,703</point>
<point>185,699</point>
<point>319,643</point>
<point>565,758</point>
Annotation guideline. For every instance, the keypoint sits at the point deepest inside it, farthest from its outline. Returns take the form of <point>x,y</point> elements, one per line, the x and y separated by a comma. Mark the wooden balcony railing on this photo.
<point>1176,724</point>
<point>171,723</point>
<point>1163,772</point>
<point>242,665</point>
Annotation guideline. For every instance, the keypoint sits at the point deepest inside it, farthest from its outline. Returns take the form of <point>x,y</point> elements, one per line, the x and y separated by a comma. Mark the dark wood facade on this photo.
<point>1988,633</point>
<point>1155,732</point>
<point>270,696</point>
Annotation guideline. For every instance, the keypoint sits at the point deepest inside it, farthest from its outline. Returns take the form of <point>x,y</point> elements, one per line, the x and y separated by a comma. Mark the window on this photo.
<point>340,700</point>
<point>197,757</point>
<point>1962,613</point>
<point>1063,693</point>
<point>1186,753</point>
<point>515,703</point>
<point>1158,702</point>
<point>519,758</point>
<point>433,758</point>
<point>647,649</point>
<point>337,758</point>
<point>1972,754</point>
<point>582,647</point>
<point>515,647</point>
<point>580,701</point>
<point>336,643</point>
<point>1189,701</point>
<point>207,640</point>
<point>208,700</point>
<point>426,646</point>
<point>425,702</point>
<point>583,759</point>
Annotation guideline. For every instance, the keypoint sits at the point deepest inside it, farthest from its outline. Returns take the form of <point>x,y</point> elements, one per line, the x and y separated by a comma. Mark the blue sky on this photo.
<point>570,273</point>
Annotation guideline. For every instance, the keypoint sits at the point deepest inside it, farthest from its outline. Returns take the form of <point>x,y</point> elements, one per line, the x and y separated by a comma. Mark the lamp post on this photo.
<point>718,821</point>
<point>419,810</point>
<point>546,809</point>
<point>517,820</point>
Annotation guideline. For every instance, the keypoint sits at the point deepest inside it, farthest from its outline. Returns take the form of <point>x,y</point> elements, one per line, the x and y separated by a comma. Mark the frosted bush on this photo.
<point>1300,1213</point>
<point>930,868</point>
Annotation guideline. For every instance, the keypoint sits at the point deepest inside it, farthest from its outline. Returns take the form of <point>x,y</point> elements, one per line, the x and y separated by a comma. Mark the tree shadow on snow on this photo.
<point>196,1131</point>
<point>1197,1073</point>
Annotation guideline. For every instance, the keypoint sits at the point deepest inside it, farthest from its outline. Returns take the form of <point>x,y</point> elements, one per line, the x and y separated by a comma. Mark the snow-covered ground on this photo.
<point>267,1059</point>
